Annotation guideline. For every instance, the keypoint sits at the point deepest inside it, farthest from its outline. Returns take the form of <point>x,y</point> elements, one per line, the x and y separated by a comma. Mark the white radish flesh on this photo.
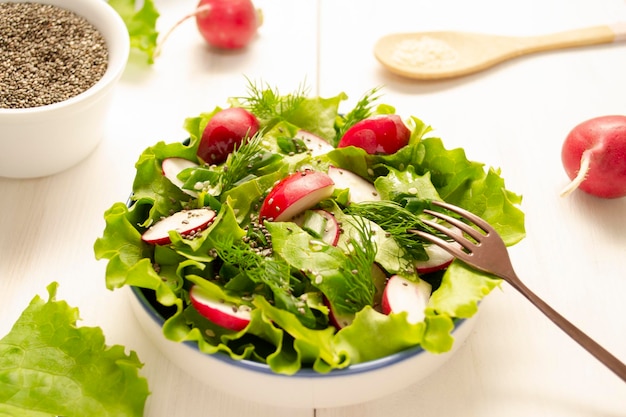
<point>171,167</point>
<point>184,222</point>
<point>317,146</point>
<point>360,189</point>
<point>403,295</point>
<point>295,194</point>
<point>224,314</point>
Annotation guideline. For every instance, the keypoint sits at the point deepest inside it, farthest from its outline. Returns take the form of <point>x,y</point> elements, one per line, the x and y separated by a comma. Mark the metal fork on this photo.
<point>487,252</point>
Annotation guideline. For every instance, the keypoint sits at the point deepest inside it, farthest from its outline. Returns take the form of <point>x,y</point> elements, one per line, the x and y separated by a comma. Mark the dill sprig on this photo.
<point>396,220</point>
<point>256,266</point>
<point>268,104</point>
<point>358,267</point>
<point>240,161</point>
<point>362,110</point>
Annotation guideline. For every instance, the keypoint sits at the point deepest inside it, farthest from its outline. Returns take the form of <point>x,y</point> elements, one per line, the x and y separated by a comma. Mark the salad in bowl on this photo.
<point>279,233</point>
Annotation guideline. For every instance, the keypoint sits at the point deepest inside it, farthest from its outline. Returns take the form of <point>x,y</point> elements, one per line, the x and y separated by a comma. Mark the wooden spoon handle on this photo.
<point>578,37</point>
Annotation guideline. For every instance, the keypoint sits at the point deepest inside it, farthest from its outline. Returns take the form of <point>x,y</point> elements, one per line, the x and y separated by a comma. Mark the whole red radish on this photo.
<point>594,157</point>
<point>227,24</point>
<point>223,24</point>
<point>225,131</point>
<point>383,134</point>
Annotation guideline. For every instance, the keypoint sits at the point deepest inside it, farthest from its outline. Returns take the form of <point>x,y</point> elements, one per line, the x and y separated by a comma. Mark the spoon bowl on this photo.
<point>448,54</point>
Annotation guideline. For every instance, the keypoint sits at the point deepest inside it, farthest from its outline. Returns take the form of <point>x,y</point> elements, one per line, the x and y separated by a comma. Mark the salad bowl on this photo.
<point>305,389</point>
<point>271,254</point>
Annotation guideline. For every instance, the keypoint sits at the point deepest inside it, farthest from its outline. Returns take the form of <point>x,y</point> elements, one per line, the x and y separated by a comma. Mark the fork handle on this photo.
<point>604,356</point>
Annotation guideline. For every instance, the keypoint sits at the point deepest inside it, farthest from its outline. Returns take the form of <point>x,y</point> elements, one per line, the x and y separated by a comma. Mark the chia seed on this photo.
<point>47,55</point>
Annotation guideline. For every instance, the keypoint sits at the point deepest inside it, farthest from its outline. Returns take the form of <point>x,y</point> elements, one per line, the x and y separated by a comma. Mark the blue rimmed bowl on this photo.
<point>255,381</point>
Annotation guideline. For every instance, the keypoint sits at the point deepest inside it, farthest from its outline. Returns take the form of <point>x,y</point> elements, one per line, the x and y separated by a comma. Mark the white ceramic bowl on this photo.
<point>45,140</point>
<point>306,389</point>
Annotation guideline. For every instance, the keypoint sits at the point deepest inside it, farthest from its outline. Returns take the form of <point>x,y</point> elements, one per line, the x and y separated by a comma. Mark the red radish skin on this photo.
<point>594,157</point>
<point>171,167</point>
<point>403,295</point>
<point>185,222</point>
<point>227,24</point>
<point>223,24</point>
<point>294,194</point>
<point>226,130</point>
<point>360,189</point>
<point>383,134</point>
<point>226,315</point>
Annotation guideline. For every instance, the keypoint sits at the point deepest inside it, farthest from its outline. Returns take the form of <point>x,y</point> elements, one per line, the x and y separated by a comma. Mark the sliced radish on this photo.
<point>295,194</point>
<point>220,312</point>
<point>322,224</point>
<point>360,189</point>
<point>381,134</point>
<point>185,222</point>
<point>438,258</point>
<point>403,295</point>
<point>171,167</point>
<point>317,145</point>
<point>339,320</point>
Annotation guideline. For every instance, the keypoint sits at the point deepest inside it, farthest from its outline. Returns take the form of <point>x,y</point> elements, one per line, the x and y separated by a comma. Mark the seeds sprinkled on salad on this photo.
<point>292,246</point>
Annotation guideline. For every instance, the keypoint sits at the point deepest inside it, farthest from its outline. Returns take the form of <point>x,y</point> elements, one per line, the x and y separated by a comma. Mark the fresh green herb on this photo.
<point>397,221</point>
<point>358,267</point>
<point>141,25</point>
<point>51,367</point>
<point>269,105</point>
<point>241,161</point>
<point>362,110</point>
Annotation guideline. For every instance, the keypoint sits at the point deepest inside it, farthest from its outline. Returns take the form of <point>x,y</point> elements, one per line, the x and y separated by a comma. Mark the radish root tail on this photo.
<point>159,46</point>
<point>585,161</point>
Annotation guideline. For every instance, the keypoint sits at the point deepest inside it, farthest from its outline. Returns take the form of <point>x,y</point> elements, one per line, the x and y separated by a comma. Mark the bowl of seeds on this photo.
<point>59,63</point>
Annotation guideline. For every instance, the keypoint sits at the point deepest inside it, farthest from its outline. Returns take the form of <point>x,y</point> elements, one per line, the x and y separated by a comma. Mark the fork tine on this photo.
<point>445,245</point>
<point>466,243</point>
<point>467,214</point>
<point>475,234</point>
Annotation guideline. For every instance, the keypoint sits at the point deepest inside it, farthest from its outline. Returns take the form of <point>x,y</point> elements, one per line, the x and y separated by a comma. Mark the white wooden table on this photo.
<point>514,116</point>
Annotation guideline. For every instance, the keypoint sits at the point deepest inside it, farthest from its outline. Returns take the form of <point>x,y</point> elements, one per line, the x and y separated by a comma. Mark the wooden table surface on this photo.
<point>513,117</point>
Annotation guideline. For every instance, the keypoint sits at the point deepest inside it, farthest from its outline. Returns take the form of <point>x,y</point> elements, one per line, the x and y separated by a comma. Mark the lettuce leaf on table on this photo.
<point>50,367</point>
<point>276,336</point>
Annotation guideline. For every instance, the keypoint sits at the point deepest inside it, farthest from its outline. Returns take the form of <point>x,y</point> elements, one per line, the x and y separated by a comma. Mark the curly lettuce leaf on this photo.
<point>422,171</point>
<point>51,367</point>
<point>141,25</point>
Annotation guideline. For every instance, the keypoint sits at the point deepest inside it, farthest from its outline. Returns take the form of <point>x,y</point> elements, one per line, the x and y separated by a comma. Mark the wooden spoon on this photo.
<point>437,55</point>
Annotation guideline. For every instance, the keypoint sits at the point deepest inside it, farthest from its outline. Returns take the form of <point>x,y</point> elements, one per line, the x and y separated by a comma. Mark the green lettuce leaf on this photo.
<point>51,367</point>
<point>286,332</point>
<point>141,25</point>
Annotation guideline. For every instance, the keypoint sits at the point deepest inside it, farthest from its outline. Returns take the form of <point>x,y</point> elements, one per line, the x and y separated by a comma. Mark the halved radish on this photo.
<point>171,167</point>
<point>438,258</point>
<point>360,189</point>
<point>185,222</point>
<point>381,134</point>
<point>321,223</point>
<point>296,193</point>
<point>317,145</point>
<point>339,320</point>
<point>220,312</point>
<point>403,295</point>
